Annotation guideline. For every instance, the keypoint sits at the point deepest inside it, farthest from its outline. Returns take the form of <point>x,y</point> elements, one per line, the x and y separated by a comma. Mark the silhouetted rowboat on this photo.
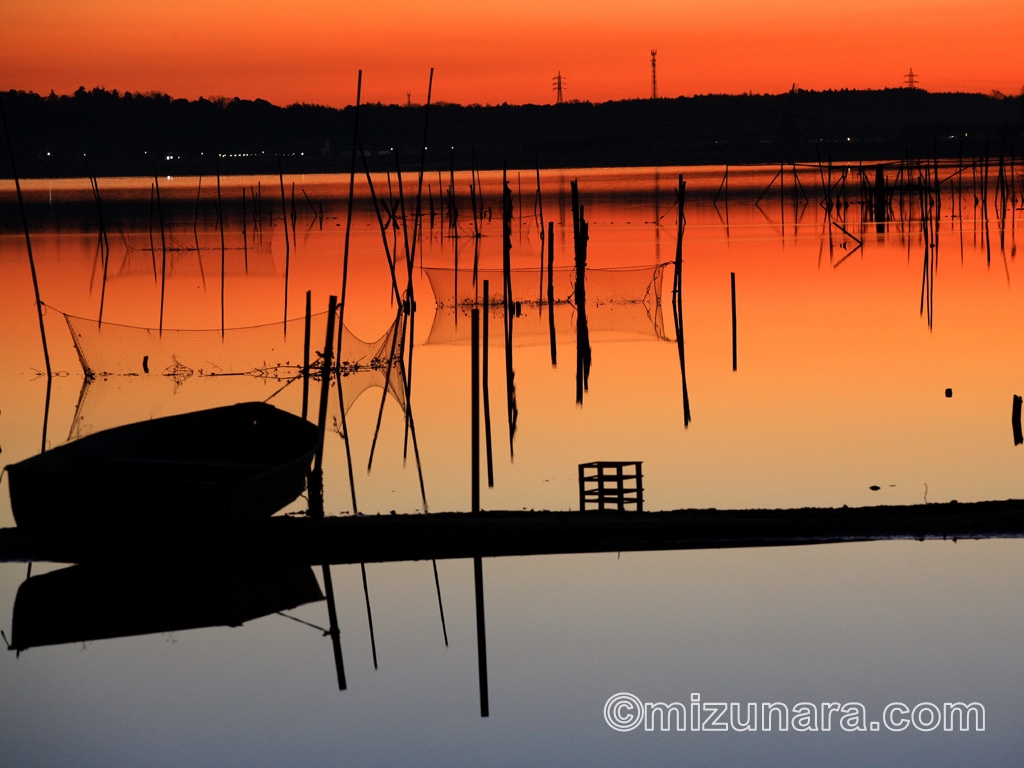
<point>87,602</point>
<point>210,467</point>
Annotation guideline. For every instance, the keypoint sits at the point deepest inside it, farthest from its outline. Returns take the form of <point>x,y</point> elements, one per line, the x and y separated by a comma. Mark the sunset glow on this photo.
<point>482,53</point>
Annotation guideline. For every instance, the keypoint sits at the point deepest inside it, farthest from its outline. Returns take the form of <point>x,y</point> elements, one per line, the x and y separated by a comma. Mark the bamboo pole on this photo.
<point>348,217</point>
<point>383,230</point>
<point>334,631</point>
<point>369,613</point>
<point>152,219</point>
<point>31,261</point>
<point>1018,433</point>
<point>419,182</point>
<point>481,635</point>
<point>723,185</point>
<point>782,198</point>
<point>287,245</point>
<point>539,212</point>
<point>770,184</point>
<point>305,353</point>
<point>195,212</point>
<point>295,213</point>
<point>510,390</point>
<point>430,201</point>
<point>732,281</point>
<point>581,233</point>
<point>245,233</point>
<point>316,482</point>
<point>551,292</point>
<point>478,574</point>
<point>163,248</point>
<point>677,297</point>
<point>474,397</point>
<point>408,301</point>
<point>104,242</point>
<point>485,375</point>
<point>440,605</point>
<point>344,288</point>
<point>223,254</point>
<point>396,331</point>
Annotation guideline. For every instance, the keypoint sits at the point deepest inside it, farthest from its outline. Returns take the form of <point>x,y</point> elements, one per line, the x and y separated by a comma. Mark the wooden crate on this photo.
<point>611,486</point>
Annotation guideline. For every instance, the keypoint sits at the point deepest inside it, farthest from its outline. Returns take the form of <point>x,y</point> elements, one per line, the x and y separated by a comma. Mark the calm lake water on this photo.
<point>848,338</point>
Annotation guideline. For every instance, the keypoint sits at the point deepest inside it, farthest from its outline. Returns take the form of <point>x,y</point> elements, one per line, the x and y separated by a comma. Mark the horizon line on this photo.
<point>993,94</point>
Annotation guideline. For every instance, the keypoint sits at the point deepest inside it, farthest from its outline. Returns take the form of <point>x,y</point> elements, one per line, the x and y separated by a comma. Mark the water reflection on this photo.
<point>83,603</point>
<point>677,298</point>
<point>623,303</point>
<point>625,214</point>
<point>847,354</point>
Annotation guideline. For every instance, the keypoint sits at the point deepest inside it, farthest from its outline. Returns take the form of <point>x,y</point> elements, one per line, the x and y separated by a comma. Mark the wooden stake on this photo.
<point>732,280</point>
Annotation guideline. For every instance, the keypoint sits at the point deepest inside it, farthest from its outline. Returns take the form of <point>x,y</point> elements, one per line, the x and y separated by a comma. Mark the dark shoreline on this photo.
<point>110,134</point>
<point>452,535</point>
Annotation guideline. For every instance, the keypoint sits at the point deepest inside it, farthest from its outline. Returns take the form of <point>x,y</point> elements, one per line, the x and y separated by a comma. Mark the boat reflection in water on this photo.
<point>89,602</point>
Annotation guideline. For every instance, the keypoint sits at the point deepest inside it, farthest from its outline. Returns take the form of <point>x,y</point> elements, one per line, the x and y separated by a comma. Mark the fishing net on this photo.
<point>135,373</point>
<point>622,285</point>
<point>622,302</point>
<point>452,325</point>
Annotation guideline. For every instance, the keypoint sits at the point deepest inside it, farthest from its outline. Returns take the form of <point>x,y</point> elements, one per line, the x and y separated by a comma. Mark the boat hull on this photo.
<point>211,467</point>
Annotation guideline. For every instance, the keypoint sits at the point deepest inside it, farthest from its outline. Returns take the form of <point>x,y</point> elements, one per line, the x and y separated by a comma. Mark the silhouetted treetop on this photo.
<point>138,133</point>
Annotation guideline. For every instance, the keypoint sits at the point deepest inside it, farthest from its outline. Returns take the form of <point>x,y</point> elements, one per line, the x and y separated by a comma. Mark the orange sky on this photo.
<point>310,51</point>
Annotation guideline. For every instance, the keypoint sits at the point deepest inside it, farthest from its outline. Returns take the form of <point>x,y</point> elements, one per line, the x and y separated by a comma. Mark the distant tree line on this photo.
<point>111,133</point>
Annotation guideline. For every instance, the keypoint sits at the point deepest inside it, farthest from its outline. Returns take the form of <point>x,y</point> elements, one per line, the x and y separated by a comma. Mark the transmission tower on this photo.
<point>910,79</point>
<point>654,74</point>
<point>557,83</point>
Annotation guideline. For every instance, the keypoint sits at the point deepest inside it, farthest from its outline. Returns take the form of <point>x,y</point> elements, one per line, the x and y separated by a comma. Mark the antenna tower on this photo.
<point>557,83</point>
<point>654,74</point>
<point>911,79</point>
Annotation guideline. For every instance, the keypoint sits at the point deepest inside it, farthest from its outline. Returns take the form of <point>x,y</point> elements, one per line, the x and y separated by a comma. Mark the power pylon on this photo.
<point>557,83</point>
<point>654,74</point>
<point>910,79</point>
